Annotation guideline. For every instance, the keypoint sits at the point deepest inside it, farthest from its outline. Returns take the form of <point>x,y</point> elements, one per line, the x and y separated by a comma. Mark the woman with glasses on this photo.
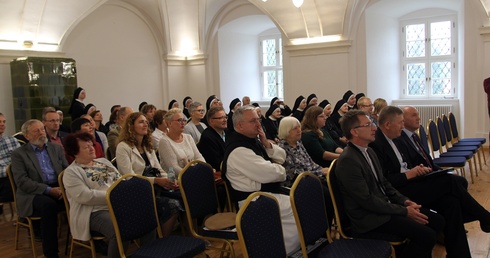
<point>195,127</point>
<point>135,154</point>
<point>177,148</point>
<point>318,143</point>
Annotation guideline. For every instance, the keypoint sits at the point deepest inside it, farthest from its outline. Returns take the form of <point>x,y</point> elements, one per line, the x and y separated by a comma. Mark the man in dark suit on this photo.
<point>35,169</point>
<point>212,142</point>
<point>442,193</point>
<point>371,203</point>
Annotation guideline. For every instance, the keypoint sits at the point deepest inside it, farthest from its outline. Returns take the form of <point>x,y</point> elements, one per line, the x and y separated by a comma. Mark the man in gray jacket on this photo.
<point>35,169</point>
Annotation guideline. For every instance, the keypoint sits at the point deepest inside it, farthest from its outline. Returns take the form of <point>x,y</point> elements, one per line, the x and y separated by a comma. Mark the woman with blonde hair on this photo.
<point>177,148</point>
<point>318,143</point>
<point>378,104</point>
<point>135,155</point>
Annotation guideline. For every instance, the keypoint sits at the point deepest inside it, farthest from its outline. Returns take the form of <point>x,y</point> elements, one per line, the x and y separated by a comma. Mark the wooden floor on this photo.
<point>479,241</point>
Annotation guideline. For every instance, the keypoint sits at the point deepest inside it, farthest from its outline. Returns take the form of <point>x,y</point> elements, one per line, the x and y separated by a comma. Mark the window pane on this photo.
<point>440,34</point>
<point>416,79</point>
<point>269,52</point>
<point>270,84</point>
<point>415,38</point>
<point>280,85</point>
<point>280,54</point>
<point>441,78</point>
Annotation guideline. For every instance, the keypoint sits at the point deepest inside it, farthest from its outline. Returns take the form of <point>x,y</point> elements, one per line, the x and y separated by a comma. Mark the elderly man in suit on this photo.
<point>371,203</point>
<point>35,168</point>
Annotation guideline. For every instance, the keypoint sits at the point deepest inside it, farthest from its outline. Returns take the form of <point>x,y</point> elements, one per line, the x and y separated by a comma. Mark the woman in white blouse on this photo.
<point>134,153</point>
<point>176,148</point>
<point>195,127</point>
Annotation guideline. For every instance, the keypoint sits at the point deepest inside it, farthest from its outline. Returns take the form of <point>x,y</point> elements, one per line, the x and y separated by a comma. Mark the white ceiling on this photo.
<point>46,23</point>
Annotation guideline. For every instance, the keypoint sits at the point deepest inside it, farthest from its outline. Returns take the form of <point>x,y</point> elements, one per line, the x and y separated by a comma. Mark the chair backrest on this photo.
<point>307,201</point>
<point>447,128</point>
<point>131,203</point>
<point>12,183</point>
<point>434,141</point>
<point>198,189</point>
<point>259,227</point>
<point>442,132</point>
<point>454,126</point>
<point>423,138</point>
<point>63,193</point>
<point>341,220</point>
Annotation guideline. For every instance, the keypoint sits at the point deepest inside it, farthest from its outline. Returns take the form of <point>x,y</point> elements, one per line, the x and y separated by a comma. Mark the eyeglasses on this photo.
<point>200,110</point>
<point>220,118</point>
<point>370,105</point>
<point>370,124</point>
<point>180,120</point>
<point>53,121</point>
<point>255,120</point>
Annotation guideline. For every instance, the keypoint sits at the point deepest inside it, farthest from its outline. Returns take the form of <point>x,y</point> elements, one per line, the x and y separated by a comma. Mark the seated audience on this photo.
<point>99,125</point>
<point>161,128</point>
<point>234,104</point>
<point>100,137</point>
<point>442,193</point>
<point>378,104</point>
<point>339,110</point>
<point>312,100</point>
<point>285,109</point>
<point>334,131</point>
<point>135,154</point>
<point>173,104</point>
<point>271,122</point>
<point>372,205</point>
<point>318,143</point>
<point>299,108</point>
<point>112,118</point>
<point>89,108</point>
<point>245,100</point>
<point>365,104</point>
<point>149,111</point>
<point>86,182</point>
<point>212,143</point>
<point>51,121</point>
<point>35,169</point>
<point>177,148</point>
<point>114,133</point>
<point>195,127</point>
<point>252,165</point>
<point>7,145</point>
<point>186,104</point>
<point>350,98</point>
<point>83,125</point>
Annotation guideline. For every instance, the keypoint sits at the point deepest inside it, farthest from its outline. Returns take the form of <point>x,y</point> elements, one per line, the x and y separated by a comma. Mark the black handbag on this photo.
<point>151,172</point>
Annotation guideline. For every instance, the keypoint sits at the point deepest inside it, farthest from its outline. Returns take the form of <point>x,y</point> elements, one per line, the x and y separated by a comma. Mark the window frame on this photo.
<point>278,68</point>
<point>427,59</point>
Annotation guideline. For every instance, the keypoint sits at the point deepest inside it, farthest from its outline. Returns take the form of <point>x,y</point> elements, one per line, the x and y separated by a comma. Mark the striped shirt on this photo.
<point>7,145</point>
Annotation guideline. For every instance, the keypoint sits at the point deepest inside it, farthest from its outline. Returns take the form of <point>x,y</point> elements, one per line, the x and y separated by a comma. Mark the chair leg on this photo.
<point>476,167</point>
<point>483,154</point>
<point>17,225</point>
<point>479,158</point>
<point>471,172</point>
<point>92,248</point>
<point>31,230</point>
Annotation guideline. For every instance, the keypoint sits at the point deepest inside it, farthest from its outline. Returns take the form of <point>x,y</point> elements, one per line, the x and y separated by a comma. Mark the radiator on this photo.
<point>427,112</point>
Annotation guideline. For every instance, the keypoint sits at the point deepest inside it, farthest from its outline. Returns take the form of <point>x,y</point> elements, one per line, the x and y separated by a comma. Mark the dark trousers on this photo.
<point>422,238</point>
<point>47,208</point>
<point>447,195</point>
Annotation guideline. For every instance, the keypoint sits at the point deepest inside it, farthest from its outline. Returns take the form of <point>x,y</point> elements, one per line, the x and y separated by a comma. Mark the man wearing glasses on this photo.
<point>365,104</point>
<point>212,143</point>
<point>443,193</point>
<point>51,121</point>
<point>371,203</point>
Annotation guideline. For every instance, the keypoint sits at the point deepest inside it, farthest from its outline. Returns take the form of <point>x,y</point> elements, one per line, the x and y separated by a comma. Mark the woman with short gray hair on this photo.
<point>195,127</point>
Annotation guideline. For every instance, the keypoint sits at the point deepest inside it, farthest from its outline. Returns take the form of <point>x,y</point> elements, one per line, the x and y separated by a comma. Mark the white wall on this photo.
<point>239,73</point>
<point>118,61</point>
<point>383,51</point>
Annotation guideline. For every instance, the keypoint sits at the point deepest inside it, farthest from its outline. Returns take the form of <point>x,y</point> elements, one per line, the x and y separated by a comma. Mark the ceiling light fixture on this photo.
<point>298,3</point>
